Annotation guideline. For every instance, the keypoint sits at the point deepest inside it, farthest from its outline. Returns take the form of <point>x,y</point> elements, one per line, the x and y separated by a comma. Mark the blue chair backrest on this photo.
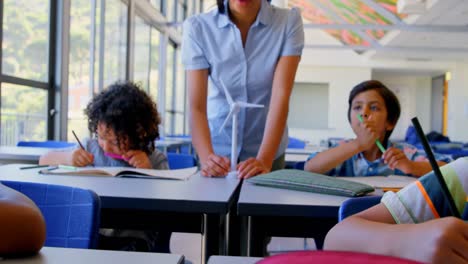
<point>180,161</point>
<point>299,165</point>
<point>356,205</point>
<point>296,143</point>
<point>71,214</point>
<point>45,144</point>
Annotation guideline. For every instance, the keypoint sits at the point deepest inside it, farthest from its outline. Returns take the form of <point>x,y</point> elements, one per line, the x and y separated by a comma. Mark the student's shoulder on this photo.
<point>459,168</point>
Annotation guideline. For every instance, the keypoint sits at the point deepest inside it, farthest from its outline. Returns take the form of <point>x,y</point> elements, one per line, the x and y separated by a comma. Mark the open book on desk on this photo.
<point>386,183</point>
<point>179,174</point>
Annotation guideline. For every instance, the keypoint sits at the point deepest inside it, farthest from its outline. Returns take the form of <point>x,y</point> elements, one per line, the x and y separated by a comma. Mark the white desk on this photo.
<point>50,255</point>
<point>293,158</point>
<point>198,205</point>
<point>281,212</point>
<point>13,154</point>
<point>232,260</point>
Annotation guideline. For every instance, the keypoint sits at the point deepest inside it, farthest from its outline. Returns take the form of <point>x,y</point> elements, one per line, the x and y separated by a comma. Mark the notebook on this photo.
<point>311,182</point>
<point>179,174</point>
<point>386,183</point>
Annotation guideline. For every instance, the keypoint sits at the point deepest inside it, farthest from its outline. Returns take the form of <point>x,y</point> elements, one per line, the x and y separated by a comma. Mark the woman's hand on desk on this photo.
<point>81,158</point>
<point>251,167</point>
<point>216,166</point>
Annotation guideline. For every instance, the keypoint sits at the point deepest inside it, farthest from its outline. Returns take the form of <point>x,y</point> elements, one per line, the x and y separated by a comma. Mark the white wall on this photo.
<point>414,94</point>
<point>457,128</point>
<point>413,91</point>
<point>341,80</point>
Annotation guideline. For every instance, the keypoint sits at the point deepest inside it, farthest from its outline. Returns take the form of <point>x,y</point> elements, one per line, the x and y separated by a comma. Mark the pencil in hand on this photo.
<point>377,141</point>
<point>79,142</point>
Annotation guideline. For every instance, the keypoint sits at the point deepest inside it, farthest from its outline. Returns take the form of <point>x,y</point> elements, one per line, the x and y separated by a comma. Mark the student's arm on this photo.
<point>22,227</point>
<point>78,157</point>
<point>283,82</point>
<point>374,231</point>
<point>211,164</point>
<point>396,159</point>
<point>327,160</point>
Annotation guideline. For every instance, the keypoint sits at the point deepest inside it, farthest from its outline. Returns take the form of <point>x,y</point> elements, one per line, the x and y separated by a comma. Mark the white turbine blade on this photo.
<point>249,105</point>
<point>226,120</point>
<point>228,96</point>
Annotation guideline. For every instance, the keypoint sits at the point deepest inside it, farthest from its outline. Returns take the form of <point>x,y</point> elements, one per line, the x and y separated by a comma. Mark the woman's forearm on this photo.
<point>277,116</point>
<point>200,134</point>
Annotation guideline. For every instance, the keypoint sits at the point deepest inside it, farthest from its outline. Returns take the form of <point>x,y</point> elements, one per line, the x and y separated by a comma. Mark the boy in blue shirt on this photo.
<point>380,110</point>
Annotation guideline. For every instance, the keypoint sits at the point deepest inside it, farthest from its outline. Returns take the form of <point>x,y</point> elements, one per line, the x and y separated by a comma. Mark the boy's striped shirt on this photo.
<point>423,200</point>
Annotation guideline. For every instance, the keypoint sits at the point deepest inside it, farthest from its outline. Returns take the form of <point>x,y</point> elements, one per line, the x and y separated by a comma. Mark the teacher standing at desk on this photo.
<point>254,48</point>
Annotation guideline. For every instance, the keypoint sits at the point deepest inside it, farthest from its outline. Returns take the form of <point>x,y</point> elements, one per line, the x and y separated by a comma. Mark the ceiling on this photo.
<point>373,29</point>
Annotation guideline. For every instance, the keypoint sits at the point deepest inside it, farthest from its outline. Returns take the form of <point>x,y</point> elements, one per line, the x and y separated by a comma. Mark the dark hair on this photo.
<point>221,7</point>
<point>126,109</point>
<point>391,101</point>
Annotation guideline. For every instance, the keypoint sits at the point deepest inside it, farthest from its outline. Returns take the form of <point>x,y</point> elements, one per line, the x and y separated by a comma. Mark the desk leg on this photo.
<point>213,236</point>
<point>204,239</point>
<point>226,232</point>
<point>254,238</point>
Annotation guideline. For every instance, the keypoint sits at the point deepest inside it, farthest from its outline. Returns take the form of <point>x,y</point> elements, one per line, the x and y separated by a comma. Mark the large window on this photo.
<point>115,41</point>
<point>25,44</point>
<point>142,53</point>
<point>49,72</point>
<point>23,114</point>
<point>154,67</point>
<point>83,42</point>
<point>180,98</point>
<point>24,70</point>
<point>170,88</point>
<point>97,54</point>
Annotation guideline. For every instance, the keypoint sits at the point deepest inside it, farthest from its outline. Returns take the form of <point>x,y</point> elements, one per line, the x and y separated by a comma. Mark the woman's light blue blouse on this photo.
<point>212,41</point>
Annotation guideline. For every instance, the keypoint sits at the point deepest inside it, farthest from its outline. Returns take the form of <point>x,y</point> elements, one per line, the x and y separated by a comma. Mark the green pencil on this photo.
<point>377,141</point>
<point>66,167</point>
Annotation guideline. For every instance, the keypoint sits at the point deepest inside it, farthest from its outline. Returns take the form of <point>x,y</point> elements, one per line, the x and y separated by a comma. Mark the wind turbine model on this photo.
<point>235,107</point>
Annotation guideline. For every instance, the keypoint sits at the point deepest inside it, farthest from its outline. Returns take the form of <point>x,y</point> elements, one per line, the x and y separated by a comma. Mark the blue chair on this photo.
<point>296,143</point>
<point>45,144</point>
<point>356,205</point>
<point>71,214</point>
<point>180,161</point>
<point>299,165</point>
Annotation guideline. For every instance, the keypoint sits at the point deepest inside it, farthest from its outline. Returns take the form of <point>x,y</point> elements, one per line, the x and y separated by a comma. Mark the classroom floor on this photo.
<point>189,245</point>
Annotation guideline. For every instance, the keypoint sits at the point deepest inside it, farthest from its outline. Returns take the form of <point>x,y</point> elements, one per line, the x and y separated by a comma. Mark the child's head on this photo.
<point>374,100</point>
<point>124,118</point>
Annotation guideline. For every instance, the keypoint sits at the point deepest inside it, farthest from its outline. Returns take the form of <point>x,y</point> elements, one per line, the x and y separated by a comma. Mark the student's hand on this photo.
<point>251,167</point>
<point>443,240</point>
<point>396,159</point>
<point>366,134</point>
<point>81,158</point>
<point>138,159</point>
<point>216,166</point>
